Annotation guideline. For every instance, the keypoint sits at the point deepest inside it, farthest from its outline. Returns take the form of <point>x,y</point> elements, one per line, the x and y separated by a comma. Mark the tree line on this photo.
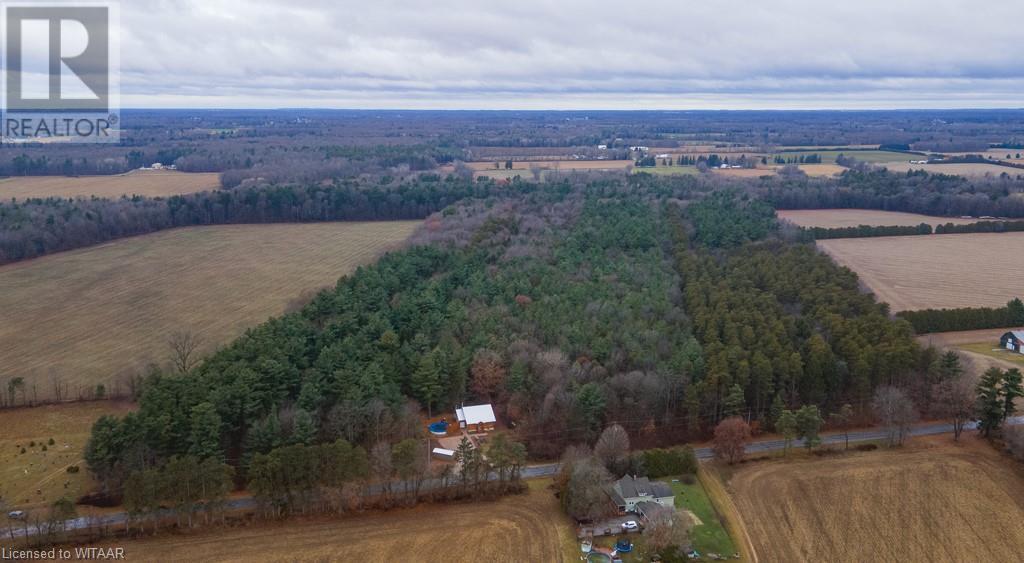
<point>863,231</point>
<point>913,192</point>
<point>981,227</point>
<point>926,321</point>
<point>35,227</point>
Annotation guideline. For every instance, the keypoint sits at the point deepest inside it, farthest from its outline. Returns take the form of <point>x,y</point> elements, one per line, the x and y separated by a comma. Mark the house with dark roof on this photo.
<point>1013,341</point>
<point>628,492</point>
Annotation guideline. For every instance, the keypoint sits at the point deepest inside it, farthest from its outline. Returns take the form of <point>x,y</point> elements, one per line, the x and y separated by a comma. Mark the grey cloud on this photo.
<point>939,53</point>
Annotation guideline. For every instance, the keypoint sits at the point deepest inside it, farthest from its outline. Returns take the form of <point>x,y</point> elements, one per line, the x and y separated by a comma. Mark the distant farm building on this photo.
<point>629,492</point>
<point>1013,341</point>
<point>476,418</point>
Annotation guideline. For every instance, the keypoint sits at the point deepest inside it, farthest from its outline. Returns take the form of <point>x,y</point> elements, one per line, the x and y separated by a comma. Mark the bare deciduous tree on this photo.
<point>488,373</point>
<point>1014,437</point>
<point>184,347</point>
<point>895,411</point>
<point>955,399</point>
<point>667,528</point>
<point>584,497</point>
<point>612,448</point>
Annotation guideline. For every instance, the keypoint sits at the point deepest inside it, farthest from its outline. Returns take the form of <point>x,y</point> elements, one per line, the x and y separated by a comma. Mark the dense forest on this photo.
<point>780,322</point>
<point>569,306</point>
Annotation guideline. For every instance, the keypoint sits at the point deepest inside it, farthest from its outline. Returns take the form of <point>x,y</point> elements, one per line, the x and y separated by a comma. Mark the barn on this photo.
<point>1013,341</point>
<point>476,418</point>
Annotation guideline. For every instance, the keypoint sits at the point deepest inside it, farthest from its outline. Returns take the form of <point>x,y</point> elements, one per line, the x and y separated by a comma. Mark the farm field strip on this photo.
<point>837,218</point>
<point>89,315</point>
<point>958,169</point>
<point>145,183</point>
<point>948,271</point>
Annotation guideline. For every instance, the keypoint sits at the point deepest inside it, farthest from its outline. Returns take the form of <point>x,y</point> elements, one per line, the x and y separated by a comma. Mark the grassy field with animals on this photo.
<point>943,271</point>
<point>837,218</point>
<point>526,527</point>
<point>37,446</point>
<point>932,500</point>
<point>87,317</point>
<point>149,183</point>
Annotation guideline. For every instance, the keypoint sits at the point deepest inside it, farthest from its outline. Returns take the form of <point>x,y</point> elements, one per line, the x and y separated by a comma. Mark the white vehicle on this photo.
<point>16,515</point>
<point>630,525</point>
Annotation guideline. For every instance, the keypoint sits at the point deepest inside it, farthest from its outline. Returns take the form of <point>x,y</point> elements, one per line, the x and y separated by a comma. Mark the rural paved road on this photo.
<point>549,469</point>
<point>544,470</point>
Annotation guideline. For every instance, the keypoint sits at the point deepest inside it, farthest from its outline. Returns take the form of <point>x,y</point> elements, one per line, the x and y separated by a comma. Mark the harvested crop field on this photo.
<point>930,501</point>
<point>90,316</point>
<point>836,218</point>
<point>43,466</point>
<point>527,527</point>
<point>822,170</point>
<point>829,156</point>
<point>956,169</point>
<point>155,183</point>
<point>941,271</point>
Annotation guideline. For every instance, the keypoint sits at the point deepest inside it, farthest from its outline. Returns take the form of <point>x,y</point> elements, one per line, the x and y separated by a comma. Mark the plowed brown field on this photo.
<point>931,501</point>
<point>528,527</point>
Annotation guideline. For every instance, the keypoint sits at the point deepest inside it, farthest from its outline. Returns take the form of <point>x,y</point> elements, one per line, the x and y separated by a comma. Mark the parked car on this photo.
<point>630,525</point>
<point>16,515</point>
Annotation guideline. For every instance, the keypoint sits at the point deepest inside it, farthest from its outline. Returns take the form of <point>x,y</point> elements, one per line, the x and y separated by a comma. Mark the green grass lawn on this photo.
<point>992,350</point>
<point>829,157</point>
<point>710,536</point>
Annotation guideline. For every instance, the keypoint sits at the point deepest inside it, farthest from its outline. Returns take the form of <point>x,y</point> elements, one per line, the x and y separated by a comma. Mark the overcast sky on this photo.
<point>569,54</point>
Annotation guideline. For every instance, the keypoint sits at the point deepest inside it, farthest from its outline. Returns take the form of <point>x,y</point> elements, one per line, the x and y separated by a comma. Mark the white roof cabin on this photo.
<point>475,414</point>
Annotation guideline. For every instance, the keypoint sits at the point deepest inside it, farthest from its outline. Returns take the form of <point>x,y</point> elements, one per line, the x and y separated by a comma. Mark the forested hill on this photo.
<point>568,307</point>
